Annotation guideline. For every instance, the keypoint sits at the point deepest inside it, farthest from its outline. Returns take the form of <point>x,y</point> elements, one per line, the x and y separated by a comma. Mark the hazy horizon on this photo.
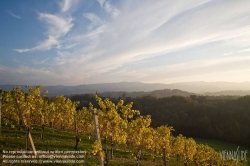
<point>206,88</point>
<point>73,42</point>
<point>135,82</point>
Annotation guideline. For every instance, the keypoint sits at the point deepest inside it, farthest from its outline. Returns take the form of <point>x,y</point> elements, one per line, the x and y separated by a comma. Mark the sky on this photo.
<point>73,42</point>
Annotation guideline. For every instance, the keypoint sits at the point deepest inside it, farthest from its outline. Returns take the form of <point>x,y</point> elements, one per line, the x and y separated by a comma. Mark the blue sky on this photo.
<point>72,42</point>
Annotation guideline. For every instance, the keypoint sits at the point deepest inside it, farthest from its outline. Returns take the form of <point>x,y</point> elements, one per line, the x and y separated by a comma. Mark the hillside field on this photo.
<point>13,140</point>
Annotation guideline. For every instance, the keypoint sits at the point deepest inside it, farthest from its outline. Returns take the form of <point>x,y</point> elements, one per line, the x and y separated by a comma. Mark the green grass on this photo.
<point>13,140</point>
<point>221,145</point>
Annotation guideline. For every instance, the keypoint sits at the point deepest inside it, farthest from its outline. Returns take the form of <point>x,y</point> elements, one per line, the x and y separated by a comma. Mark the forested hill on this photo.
<point>156,93</point>
<point>230,92</point>
<point>227,120</point>
<point>222,119</point>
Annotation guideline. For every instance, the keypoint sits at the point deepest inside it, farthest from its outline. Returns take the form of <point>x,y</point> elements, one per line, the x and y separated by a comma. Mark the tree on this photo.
<point>205,155</point>
<point>136,130</point>
<point>162,141</point>
<point>178,146</point>
<point>112,126</point>
<point>189,151</point>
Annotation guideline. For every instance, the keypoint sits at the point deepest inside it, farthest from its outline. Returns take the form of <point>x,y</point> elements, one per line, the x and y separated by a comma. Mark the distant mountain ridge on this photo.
<point>229,93</point>
<point>221,88</point>
<point>155,93</point>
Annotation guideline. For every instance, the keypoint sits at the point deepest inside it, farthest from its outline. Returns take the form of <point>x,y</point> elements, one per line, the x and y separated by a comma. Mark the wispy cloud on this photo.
<point>148,31</point>
<point>228,53</point>
<point>43,46</point>
<point>239,75</point>
<point>22,73</point>
<point>68,46</point>
<point>40,62</point>
<point>109,8</point>
<point>245,50</point>
<point>95,20</point>
<point>206,63</point>
<point>14,15</point>
<point>66,5</point>
<point>23,50</point>
<point>153,32</point>
<point>57,26</point>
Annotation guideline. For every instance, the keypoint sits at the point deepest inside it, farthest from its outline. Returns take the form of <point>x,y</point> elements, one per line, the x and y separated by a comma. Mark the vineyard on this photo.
<point>117,130</point>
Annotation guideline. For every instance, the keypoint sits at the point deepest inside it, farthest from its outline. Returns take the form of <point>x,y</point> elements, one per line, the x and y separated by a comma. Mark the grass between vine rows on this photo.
<point>15,140</point>
<point>12,139</point>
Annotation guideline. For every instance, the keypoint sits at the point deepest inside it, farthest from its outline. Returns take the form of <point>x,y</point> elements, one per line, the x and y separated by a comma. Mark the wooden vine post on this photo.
<point>164,156</point>
<point>0,110</point>
<point>97,132</point>
<point>76,132</point>
<point>28,135</point>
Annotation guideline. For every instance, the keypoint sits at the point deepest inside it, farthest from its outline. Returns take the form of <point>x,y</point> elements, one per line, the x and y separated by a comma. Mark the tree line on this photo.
<point>223,119</point>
